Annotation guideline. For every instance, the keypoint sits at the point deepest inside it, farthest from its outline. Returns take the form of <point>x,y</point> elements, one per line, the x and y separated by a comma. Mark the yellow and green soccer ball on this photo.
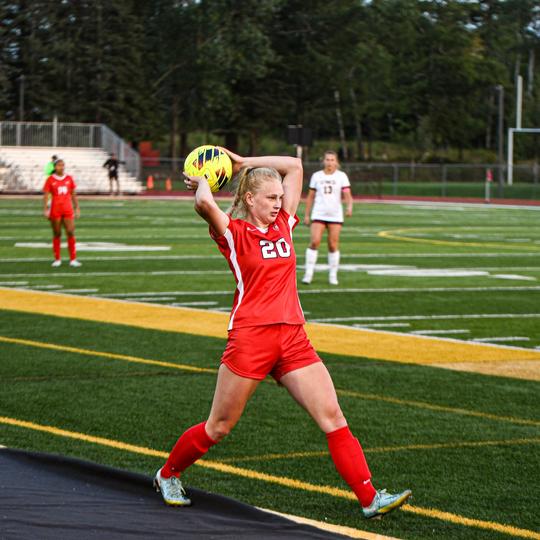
<point>210,162</point>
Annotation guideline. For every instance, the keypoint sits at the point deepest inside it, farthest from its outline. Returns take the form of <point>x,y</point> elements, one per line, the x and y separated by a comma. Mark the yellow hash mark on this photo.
<point>88,352</point>
<point>441,408</point>
<point>347,393</point>
<point>397,235</point>
<point>270,478</point>
<point>386,449</point>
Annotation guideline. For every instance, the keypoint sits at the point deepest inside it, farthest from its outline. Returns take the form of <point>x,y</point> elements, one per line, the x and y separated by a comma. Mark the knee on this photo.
<point>218,430</point>
<point>314,244</point>
<point>333,419</point>
<point>333,246</point>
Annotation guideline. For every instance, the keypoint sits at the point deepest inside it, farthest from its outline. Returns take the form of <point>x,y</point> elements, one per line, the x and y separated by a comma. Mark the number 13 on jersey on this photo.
<point>272,250</point>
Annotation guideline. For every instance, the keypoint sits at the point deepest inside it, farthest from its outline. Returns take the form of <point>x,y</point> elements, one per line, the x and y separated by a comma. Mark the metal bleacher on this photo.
<point>25,149</point>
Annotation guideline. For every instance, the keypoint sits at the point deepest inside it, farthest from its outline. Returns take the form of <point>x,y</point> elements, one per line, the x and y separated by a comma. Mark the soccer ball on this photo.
<point>211,163</point>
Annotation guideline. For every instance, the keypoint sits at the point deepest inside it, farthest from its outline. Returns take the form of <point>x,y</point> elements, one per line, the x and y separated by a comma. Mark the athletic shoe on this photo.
<point>56,263</point>
<point>333,280</point>
<point>385,502</point>
<point>75,263</point>
<point>306,281</point>
<point>171,490</point>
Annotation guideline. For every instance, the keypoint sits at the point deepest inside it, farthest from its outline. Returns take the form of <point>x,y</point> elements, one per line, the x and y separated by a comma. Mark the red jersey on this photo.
<point>264,266</point>
<point>61,188</point>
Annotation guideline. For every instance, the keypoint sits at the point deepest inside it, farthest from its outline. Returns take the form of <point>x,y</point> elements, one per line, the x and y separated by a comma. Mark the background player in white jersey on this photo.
<point>266,329</point>
<point>324,210</point>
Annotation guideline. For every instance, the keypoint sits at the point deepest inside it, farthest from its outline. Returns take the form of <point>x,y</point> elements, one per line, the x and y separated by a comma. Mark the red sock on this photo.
<point>351,464</point>
<point>193,444</point>
<point>72,248</point>
<point>56,247</point>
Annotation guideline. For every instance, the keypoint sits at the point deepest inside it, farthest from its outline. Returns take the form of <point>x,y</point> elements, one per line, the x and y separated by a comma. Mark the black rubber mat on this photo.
<point>53,497</point>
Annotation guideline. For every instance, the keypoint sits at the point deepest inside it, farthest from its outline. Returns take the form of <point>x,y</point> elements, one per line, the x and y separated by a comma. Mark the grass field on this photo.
<point>120,394</point>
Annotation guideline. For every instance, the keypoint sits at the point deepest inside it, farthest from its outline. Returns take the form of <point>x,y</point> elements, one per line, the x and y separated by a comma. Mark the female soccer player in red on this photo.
<point>61,188</point>
<point>266,332</point>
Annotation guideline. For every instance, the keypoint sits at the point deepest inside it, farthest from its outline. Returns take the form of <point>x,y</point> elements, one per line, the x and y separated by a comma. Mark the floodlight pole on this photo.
<point>510,156</point>
<point>519,100</point>
<point>519,104</point>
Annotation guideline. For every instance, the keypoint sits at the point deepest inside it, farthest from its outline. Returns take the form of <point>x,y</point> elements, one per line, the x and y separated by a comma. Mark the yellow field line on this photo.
<point>386,449</point>
<point>396,235</point>
<point>353,342</point>
<point>270,478</point>
<point>347,393</point>
<point>88,352</point>
<point>440,408</point>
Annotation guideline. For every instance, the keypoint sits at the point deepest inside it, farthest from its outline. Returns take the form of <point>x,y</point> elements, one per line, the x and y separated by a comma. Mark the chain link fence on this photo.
<point>397,179</point>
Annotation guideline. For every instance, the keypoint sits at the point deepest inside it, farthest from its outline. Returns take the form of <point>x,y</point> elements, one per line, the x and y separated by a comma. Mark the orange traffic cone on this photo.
<point>150,182</point>
<point>168,184</point>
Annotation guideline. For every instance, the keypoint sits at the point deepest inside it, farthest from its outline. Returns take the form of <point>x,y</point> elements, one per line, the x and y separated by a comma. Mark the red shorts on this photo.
<point>61,211</point>
<point>275,349</point>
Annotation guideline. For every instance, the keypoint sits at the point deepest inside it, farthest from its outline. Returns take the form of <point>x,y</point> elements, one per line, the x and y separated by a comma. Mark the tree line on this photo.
<point>419,71</point>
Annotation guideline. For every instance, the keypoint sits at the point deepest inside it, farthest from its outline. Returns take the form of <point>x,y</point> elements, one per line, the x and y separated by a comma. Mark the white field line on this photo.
<point>431,317</point>
<point>429,338</point>
<point>331,291</point>
<point>343,256</point>
<point>104,274</point>
<point>153,299</point>
<point>80,291</point>
<point>12,283</point>
<point>191,304</point>
<point>44,287</point>
<point>380,325</point>
<point>509,338</point>
<point>435,332</point>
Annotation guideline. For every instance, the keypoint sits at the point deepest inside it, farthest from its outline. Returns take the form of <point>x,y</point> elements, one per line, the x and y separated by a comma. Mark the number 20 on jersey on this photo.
<point>273,250</point>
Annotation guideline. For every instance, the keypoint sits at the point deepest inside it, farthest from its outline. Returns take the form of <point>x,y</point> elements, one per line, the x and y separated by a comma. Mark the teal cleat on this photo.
<point>383,503</point>
<point>171,489</point>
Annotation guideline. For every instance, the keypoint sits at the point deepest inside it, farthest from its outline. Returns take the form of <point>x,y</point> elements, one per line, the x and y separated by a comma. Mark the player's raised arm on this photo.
<point>205,205</point>
<point>289,168</point>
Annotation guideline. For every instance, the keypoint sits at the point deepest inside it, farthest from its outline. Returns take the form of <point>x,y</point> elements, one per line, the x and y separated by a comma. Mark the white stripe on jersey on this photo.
<point>291,222</point>
<point>230,241</point>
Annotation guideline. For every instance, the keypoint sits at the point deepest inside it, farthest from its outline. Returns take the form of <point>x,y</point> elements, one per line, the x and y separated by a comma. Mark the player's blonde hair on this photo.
<point>250,181</point>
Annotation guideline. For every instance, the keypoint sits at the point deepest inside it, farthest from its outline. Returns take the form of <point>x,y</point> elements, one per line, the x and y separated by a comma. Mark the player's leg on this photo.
<point>313,388</point>
<point>230,398</point>
<point>110,185</point>
<point>69,225</point>
<point>56,225</point>
<point>334,229</point>
<point>317,229</point>
<point>117,185</point>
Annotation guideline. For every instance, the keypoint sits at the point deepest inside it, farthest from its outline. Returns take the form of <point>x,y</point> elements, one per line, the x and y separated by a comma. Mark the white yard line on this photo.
<point>380,325</point>
<point>502,339</point>
<point>431,317</point>
<point>75,273</point>
<point>436,332</point>
<point>191,304</point>
<point>153,299</point>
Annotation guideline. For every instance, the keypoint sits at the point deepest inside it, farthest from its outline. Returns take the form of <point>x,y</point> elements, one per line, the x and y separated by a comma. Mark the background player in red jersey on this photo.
<point>266,332</point>
<point>64,208</point>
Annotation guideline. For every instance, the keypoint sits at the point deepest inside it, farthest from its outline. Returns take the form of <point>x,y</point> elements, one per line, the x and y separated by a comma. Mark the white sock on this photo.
<point>333,263</point>
<point>311,261</point>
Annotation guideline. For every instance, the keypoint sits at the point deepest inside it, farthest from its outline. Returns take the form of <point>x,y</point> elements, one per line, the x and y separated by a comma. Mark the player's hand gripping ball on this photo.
<point>210,162</point>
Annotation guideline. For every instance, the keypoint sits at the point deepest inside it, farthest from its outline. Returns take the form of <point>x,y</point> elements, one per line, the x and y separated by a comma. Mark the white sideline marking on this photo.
<point>94,246</point>
<point>184,304</point>
<point>103,274</point>
<point>416,289</point>
<point>379,325</point>
<point>509,338</point>
<point>427,272</point>
<point>153,299</point>
<point>44,287</point>
<point>435,332</point>
<point>513,276</point>
<point>10,283</point>
<point>120,258</point>
<point>79,290</point>
<point>434,255</point>
<point>434,317</point>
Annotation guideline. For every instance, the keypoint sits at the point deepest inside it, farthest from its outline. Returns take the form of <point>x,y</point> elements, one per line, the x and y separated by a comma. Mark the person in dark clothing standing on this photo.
<point>112,165</point>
